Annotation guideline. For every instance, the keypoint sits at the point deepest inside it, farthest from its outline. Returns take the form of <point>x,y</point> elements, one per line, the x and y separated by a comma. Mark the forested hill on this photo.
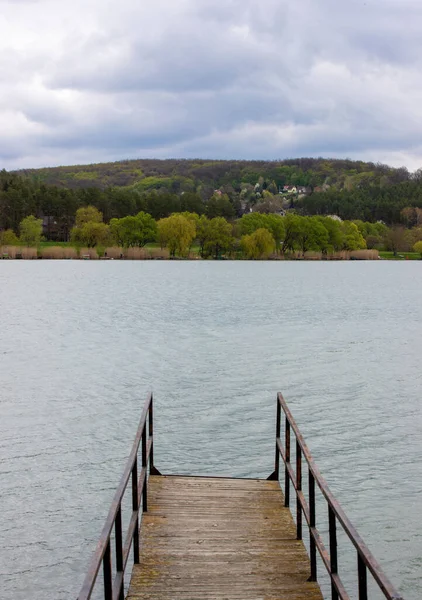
<point>186,175</point>
<point>352,190</point>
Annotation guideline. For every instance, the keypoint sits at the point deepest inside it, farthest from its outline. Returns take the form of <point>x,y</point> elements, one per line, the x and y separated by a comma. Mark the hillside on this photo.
<point>175,174</point>
<point>352,190</point>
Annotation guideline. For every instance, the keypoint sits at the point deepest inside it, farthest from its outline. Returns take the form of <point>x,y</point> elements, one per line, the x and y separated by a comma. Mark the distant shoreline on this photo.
<point>71,253</point>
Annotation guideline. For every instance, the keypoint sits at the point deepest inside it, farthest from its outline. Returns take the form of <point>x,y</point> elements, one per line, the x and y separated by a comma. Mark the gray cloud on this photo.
<point>220,78</point>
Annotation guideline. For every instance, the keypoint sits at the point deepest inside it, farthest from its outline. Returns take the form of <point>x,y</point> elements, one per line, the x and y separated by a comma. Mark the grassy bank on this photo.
<point>400,255</point>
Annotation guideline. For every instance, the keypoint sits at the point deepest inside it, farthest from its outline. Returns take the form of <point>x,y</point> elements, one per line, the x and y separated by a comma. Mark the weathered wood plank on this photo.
<point>215,539</point>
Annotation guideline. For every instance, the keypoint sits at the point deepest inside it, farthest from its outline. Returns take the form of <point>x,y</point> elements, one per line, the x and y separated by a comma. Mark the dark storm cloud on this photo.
<point>217,78</point>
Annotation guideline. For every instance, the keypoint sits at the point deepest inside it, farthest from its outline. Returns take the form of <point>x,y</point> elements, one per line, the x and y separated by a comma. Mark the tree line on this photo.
<point>390,204</point>
<point>253,236</point>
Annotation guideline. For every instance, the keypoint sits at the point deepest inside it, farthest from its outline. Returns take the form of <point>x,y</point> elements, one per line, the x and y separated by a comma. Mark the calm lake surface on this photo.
<point>82,343</point>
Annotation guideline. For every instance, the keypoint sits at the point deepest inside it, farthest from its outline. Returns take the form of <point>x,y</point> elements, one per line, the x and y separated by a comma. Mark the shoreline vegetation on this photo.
<point>68,252</point>
<point>114,253</point>
<point>189,236</point>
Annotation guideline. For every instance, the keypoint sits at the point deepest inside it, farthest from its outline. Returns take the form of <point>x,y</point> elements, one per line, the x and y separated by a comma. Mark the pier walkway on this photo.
<point>211,538</point>
<point>218,539</point>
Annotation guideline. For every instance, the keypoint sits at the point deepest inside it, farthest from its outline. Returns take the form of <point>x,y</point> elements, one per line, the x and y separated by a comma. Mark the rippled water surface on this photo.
<point>81,344</point>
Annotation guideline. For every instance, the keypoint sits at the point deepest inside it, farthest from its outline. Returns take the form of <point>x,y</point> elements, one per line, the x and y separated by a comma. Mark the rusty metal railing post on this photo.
<point>298,489</point>
<point>135,507</point>
<point>119,549</point>
<point>362,579</point>
<point>312,525</point>
<point>277,437</point>
<point>144,466</point>
<point>107,572</point>
<point>151,431</point>
<point>333,550</point>
<point>286,466</point>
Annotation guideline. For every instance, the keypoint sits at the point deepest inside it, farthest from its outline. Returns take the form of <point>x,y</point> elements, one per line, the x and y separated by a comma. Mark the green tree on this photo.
<point>177,234</point>
<point>272,188</point>
<point>275,224</point>
<point>194,219</point>
<point>123,231</point>
<point>30,231</point>
<point>416,234</point>
<point>202,233</point>
<point>191,216</point>
<point>371,232</point>
<point>219,205</point>
<point>248,246</point>
<point>418,248</point>
<point>8,238</point>
<point>91,234</point>
<point>134,231</point>
<point>312,235</point>
<point>192,202</point>
<point>162,204</point>
<point>334,242</point>
<point>88,214</point>
<point>397,238</point>
<point>219,236</point>
<point>250,222</point>
<point>258,245</point>
<point>319,237</point>
<point>353,239</point>
<point>291,232</point>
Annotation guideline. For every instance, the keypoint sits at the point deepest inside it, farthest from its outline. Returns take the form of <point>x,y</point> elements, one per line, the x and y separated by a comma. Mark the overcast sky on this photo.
<point>96,80</point>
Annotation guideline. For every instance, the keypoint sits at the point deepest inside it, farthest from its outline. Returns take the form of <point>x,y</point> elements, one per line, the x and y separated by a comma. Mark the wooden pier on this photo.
<point>218,539</point>
<point>211,538</point>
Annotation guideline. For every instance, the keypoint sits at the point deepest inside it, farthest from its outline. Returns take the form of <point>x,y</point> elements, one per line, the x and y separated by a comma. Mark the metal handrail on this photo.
<point>365,559</point>
<point>114,590</point>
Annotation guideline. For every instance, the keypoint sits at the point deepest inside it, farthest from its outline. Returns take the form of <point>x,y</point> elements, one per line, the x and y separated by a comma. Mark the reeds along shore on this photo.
<point>114,253</point>
<point>66,253</point>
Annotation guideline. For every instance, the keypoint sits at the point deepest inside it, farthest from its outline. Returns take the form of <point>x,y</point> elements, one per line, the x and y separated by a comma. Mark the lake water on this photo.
<point>82,343</point>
